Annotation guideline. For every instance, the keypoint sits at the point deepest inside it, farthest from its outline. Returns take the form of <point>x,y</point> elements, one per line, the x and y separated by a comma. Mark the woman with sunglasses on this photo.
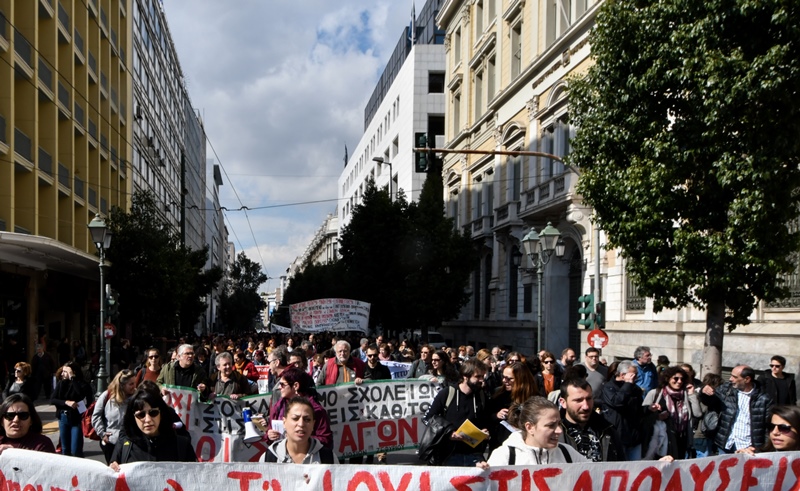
<point>518,385</point>
<point>21,382</point>
<point>548,379</point>
<point>22,426</point>
<point>441,371</point>
<point>71,396</point>
<point>675,402</point>
<point>148,435</point>
<point>782,431</point>
<point>297,383</point>
<point>109,410</point>
<point>152,367</point>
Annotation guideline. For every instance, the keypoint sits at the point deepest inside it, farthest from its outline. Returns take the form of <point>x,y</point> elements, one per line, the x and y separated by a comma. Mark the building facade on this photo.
<point>64,150</point>
<point>508,62</point>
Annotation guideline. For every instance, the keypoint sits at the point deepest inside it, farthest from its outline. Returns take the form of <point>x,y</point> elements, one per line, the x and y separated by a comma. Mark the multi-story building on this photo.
<point>324,246</point>
<point>215,241</point>
<point>408,99</point>
<point>64,150</point>
<point>508,62</point>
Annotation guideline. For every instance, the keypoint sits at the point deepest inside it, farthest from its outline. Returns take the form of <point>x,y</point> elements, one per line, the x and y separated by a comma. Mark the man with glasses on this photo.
<point>779,384</point>
<point>374,370</point>
<point>596,372</point>
<point>184,372</point>
<point>342,367</point>
<point>421,365</point>
<point>747,410</point>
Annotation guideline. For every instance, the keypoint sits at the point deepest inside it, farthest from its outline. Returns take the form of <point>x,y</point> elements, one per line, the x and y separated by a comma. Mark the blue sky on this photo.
<point>281,86</point>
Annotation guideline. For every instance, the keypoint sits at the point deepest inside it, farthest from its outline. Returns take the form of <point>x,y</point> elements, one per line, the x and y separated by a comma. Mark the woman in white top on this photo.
<point>537,442</point>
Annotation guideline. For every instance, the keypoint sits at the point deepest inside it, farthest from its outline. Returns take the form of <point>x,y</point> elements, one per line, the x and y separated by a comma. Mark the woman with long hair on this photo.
<point>22,426</point>
<point>548,379</point>
<point>152,367</point>
<point>297,383</point>
<point>537,441</point>
<point>109,410</point>
<point>149,435</point>
<point>441,370</point>
<point>21,382</point>
<point>784,429</point>
<point>71,395</point>
<point>675,402</point>
<point>518,385</point>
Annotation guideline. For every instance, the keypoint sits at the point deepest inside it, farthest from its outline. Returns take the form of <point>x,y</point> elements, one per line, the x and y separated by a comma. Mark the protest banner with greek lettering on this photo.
<point>398,369</point>
<point>29,470</point>
<point>330,315</point>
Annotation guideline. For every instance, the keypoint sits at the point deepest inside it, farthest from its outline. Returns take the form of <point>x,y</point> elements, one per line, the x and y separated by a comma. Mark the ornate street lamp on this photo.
<point>101,237</point>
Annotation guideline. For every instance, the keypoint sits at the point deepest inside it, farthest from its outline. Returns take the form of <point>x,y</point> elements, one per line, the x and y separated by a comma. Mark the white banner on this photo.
<point>28,470</point>
<point>330,315</point>
<point>398,369</point>
<point>380,416</point>
<point>276,328</point>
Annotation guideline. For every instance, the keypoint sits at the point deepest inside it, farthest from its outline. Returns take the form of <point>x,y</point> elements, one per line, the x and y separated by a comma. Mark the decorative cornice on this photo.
<point>533,107</point>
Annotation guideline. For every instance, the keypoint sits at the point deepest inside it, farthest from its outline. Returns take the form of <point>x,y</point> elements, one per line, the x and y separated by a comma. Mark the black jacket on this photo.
<point>610,448</point>
<point>621,404</point>
<point>462,407</point>
<point>166,448</point>
<point>71,390</point>
<point>769,383</point>
<point>760,414</point>
<point>380,372</point>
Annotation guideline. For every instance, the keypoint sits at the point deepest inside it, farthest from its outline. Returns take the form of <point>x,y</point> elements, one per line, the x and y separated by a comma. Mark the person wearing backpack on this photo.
<point>537,441</point>
<point>298,446</point>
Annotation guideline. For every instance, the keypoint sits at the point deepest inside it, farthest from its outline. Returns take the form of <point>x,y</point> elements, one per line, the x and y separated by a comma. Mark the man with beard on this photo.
<point>342,367</point>
<point>461,403</point>
<point>585,430</point>
<point>184,372</point>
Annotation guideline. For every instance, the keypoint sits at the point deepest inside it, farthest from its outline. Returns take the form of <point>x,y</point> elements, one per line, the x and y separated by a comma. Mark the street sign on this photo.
<point>597,339</point>
<point>109,330</point>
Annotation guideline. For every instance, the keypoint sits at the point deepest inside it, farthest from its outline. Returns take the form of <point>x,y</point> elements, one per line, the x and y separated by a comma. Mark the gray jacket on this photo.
<point>107,417</point>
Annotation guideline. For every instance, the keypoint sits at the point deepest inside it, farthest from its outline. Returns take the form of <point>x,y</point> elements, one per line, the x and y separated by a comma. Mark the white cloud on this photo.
<point>281,86</point>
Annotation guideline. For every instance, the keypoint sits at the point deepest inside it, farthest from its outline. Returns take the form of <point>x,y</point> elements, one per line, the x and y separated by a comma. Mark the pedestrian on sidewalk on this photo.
<point>71,396</point>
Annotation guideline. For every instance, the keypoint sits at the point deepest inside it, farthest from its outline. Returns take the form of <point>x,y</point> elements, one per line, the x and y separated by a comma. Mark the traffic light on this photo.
<point>421,158</point>
<point>600,315</point>
<point>112,302</point>
<point>587,311</point>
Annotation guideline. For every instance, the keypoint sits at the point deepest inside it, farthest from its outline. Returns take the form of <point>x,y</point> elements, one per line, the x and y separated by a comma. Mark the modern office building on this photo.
<point>64,150</point>
<point>408,99</point>
<point>508,62</point>
<point>324,246</point>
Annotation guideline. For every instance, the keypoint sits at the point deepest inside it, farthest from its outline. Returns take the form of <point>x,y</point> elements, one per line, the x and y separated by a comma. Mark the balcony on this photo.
<point>103,22</point>
<point>22,145</point>
<point>92,132</point>
<point>123,169</point>
<point>45,162</point>
<point>78,187</point>
<point>3,138</point>
<point>93,8</point>
<point>114,99</point>
<point>555,191</point>
<point>79,56</point>
<point>104,143</point>
<point>482,227</point>
<point>92,68</point>
<point>24,53</point>
<point>63,177</point>
<point>80,115</point>
<point>92,197</point>
<point>3,32</point>
<point>63,99</point>
<point>45,76</point>
<point>507,215</point>
<point>63,24</point>
<point>103,85</point>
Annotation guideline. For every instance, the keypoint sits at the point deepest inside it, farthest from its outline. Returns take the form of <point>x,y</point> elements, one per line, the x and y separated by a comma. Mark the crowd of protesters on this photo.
<point>531,409</point>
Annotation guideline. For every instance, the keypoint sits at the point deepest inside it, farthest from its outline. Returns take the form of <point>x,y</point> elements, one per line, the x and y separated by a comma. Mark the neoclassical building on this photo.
<point>507,66</point>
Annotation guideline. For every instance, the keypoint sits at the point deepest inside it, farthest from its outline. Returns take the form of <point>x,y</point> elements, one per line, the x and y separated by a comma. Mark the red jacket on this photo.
<point>332,369</point>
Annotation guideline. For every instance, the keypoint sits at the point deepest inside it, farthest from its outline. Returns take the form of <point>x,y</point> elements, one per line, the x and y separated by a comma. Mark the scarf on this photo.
<point>678,409</point>
<point>239,365</point>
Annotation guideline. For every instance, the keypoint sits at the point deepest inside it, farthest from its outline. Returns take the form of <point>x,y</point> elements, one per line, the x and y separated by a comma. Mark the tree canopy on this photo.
<point>161,284</point>
<point>688,148</point>
<point>240,301</point>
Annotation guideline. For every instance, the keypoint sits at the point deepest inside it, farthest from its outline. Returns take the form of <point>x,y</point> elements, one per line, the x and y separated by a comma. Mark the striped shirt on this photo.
<point>740,433</point>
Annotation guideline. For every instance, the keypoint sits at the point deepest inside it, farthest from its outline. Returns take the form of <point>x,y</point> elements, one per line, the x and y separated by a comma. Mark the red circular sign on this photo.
<point>597,339</point>
<point>109,330</point>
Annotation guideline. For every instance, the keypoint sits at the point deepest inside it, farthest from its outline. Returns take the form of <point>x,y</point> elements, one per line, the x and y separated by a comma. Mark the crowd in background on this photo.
<point>532,408</point>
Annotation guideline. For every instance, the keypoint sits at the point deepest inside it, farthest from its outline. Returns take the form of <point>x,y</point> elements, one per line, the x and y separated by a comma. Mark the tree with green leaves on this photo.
<point>687,142</point>
<point>160,283</point>
<point>240,302</point>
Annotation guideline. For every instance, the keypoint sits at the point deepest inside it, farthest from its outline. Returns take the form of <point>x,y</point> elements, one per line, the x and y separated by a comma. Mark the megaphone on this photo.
<point>251,433</point>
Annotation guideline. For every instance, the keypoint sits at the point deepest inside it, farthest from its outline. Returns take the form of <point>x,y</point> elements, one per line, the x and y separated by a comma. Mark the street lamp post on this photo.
<point>539,248</point>
<point>381,161</point>
<point>101,237</point>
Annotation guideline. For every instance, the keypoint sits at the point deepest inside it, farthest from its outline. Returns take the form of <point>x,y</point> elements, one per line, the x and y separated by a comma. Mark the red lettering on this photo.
<point>796,470</point>
<point>390,439</point>
<point>425,481</point>
<point>175,485</point>
<point>462,483</point>
<point>243,477</point>
<point>748,479</point>
<point>29,487</point>
<point>407,431</point>
<point>362,477</point>
<point>175,400</point>
<point>212,448</point>
<point>327,484</point>
<point>650,472</point>
<point>502,477</point>
<point>386,481</point>
<point>74,481</point>
<point>584,482</point>
<point>674,483</point>
<point>701,476</point>
<point>526,480</point>
<point>782,466</point>
<point>260,448</point>
<point>276,485</point>
<point>226,449</point>
<point>542,474</point>
<point>724,476</point>
<point>619,474</point>
<point>363,425</point>
<point>348,441</point>
<point>121,484</point>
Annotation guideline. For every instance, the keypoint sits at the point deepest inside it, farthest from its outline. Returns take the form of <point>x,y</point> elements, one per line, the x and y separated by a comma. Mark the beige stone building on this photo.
<point>508,62</point>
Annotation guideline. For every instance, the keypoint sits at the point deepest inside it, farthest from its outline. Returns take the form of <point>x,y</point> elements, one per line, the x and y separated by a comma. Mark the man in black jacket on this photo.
<point>741,430</point>
<point>375,370</point>
<point>584,429</point>
<point>621,400</point>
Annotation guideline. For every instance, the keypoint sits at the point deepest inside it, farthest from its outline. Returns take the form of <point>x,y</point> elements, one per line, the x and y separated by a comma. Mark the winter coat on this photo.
<point>27,387</point>
<point>610,448</point>
<point>71,390</point>
<point>199,376</point>
<point>164,448</point>
<point>527,455</point>
<point>107,417</point>
<point>769,383</point>
<point>622,408</point>
<point>760,414</point>
<point>695,411</point>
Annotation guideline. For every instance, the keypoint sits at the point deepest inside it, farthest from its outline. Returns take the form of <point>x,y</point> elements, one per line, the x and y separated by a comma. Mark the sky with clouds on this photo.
<point>281,86</point>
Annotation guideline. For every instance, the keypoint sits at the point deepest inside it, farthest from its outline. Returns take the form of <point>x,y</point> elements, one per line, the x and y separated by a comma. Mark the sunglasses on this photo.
<point>776,366</point>
<point>153,357</point>
<point>548,362</point>
<point>372,356</point>
<point>282,384</point>
<point>513,360</point>
<point>677,379</point>
<point>153,413</point>
<point>782,429</point>
<point>22,415</point>
<point>436,359</point>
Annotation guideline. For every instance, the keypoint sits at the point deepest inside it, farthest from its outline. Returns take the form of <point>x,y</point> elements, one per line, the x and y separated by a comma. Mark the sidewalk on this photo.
<point>91,449</point>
